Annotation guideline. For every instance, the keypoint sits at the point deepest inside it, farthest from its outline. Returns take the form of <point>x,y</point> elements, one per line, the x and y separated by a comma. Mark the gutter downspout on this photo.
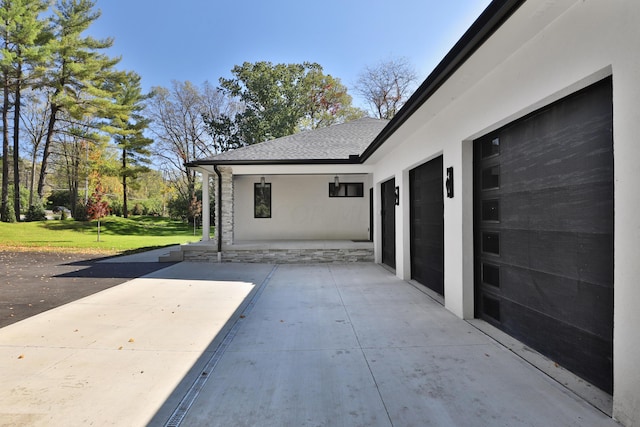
<point>219,215</point>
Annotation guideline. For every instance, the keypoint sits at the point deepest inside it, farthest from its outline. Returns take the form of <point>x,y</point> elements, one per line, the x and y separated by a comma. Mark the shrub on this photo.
<point>11,213</point>
<point>59,198</point>
<point>138,209</point>
<point>116,206</point>
<point>81,212</point>
<point>35,213</point>
<point>178,208</point>
<point>153,207</point>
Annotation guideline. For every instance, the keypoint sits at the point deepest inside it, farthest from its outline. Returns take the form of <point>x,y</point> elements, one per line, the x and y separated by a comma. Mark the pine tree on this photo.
<point>77,71</point>
<point>6,105</point>
<point>23,51</point>
<point>127,128</point>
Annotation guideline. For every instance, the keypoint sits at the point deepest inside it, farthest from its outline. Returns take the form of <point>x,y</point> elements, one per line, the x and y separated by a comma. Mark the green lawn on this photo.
<point>117,235</point>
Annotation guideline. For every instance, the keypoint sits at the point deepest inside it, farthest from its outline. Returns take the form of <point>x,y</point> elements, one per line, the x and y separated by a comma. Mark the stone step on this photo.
<point>172,256</point>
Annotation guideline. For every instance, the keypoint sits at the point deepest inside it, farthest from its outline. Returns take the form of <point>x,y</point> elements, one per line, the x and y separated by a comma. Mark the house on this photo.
<point>308,186</point>
<point>507,186</point>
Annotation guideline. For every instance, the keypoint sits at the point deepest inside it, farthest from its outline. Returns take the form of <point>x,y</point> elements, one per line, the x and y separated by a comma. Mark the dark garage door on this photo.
<point>388,191</point>
<point>427,225</point>
<point>543,210</point>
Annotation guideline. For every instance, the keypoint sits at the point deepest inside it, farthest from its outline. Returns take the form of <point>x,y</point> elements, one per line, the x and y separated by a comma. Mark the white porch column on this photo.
<point>206,209</point>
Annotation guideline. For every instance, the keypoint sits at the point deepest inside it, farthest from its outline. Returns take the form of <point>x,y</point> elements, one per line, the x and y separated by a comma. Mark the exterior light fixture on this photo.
<point>262,182</point>
<point>449,182</point>
<point>336,182</point>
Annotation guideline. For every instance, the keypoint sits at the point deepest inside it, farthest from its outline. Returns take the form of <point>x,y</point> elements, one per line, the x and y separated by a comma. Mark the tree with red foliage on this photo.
<point>96,207</point>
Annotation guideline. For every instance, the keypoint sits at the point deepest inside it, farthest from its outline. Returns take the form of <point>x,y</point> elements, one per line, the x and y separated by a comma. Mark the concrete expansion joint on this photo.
<point>176,418</point>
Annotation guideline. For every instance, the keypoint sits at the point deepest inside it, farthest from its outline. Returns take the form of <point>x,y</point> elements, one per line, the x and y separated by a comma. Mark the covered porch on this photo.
<point>305,197</point>
<point>308,220</point>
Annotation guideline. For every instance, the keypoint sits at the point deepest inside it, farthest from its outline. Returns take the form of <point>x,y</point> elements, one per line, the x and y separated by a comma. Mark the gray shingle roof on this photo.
<point>335,142</point>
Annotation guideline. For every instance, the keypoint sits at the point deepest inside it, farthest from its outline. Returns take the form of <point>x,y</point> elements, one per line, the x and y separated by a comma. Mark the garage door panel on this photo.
<point>587,354</point>
<point>574,255</point>
<point>430,235</point>
<point>563,141</point>
<point>428,261</point>
<point>551,163</point>
<point>427,224</point>
<point>388,233</point>
<point>432,278</point>
<point>559,209</point>
<point>550,178</point>
<point>549,294</point>
<point>543,213</point>
<point>430,213</point>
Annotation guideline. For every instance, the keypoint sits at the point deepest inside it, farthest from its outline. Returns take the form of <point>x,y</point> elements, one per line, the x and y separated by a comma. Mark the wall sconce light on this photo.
<point>336,182</point>
<point>262,182</point>
<point>397,196</point>
<point>449,182</point>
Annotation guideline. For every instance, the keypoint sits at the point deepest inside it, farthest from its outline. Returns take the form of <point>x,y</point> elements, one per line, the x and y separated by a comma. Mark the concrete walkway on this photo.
<point>314,345</point>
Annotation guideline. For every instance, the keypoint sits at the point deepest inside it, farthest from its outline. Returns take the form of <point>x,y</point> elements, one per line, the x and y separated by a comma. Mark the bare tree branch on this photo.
<point>386,86</point>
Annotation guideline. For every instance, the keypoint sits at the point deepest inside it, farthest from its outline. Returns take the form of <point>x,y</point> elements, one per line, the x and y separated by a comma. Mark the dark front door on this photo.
<point>388,192</point>
<point>544,231</point>
<point>427,224</point>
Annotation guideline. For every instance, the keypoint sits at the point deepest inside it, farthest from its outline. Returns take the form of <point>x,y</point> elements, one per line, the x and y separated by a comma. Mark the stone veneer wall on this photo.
<point>281,256</point>
<point>227,205</point>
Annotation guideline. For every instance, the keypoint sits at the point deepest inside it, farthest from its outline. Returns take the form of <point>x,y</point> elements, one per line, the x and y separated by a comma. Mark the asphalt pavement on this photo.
<point>34,282</point>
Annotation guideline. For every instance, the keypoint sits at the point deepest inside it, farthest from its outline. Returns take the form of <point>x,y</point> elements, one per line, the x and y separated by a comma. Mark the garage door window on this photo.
<point>491,210</point>
<point>491,177</point>
<point>491,274</point>
<point>491,243</point>
<point>490,147</point>
<point>491,307</point>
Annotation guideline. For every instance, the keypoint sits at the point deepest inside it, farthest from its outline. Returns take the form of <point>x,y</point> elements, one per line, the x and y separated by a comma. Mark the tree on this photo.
<point>96,207</point>
<point>77,71</point>
<point>280,100</point>
<point>21,32</point>
<point>31,49</point>
<point>219,112</point>
<point>6,105</point>
<point>271,97</point>
<point>386,86</point>
<point>34,117</point>
<point>177,123</point>
<point>127,129</point>
<point>328,102</point>
<point>74,142</point>
<point>135,157</point>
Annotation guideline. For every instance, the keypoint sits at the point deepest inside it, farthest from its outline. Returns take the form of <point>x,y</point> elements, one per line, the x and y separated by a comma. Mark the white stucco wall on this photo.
<point>544,52</point>
<point>302,209</point>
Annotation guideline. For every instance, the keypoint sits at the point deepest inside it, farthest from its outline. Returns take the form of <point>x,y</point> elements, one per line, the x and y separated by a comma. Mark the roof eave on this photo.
<point>487,23</point>
<point>211,162</point>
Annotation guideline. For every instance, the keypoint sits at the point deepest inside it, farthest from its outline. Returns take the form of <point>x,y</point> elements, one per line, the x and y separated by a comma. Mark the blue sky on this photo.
<point>199,40</point>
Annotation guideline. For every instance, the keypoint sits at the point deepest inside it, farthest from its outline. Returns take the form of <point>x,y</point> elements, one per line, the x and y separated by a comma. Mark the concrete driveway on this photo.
<point>262,345</point>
